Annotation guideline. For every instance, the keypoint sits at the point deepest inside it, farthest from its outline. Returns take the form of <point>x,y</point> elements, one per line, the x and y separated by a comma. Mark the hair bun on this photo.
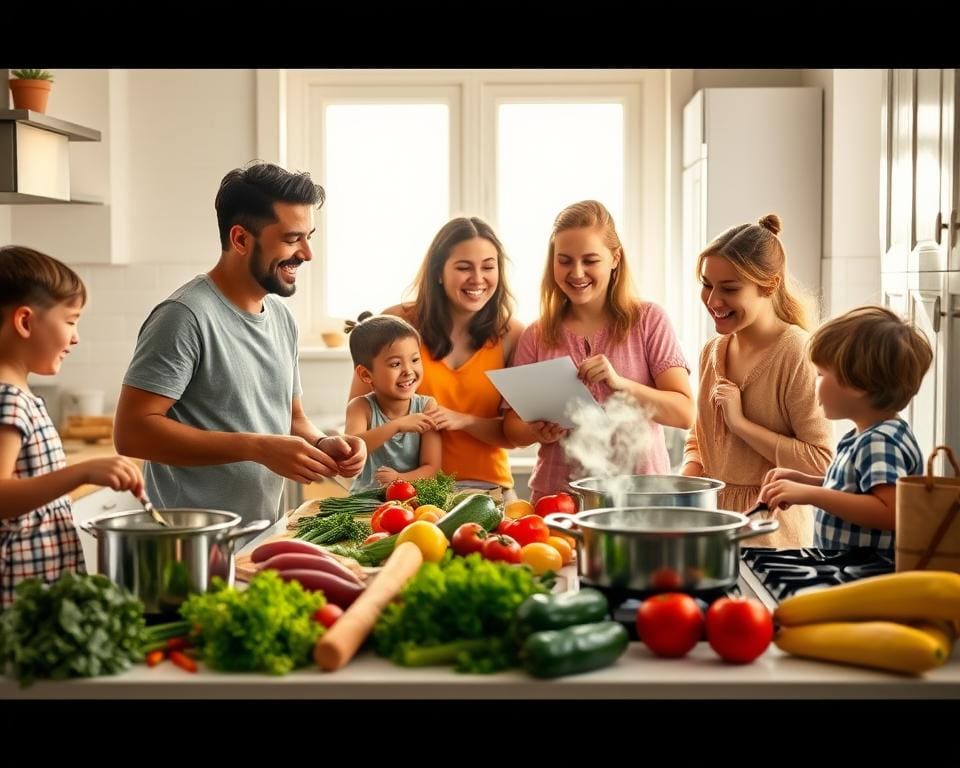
<point>772,223</point>
<point>349,325</point>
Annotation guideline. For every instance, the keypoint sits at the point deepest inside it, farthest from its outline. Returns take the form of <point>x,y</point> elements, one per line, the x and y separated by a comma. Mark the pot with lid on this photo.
<point>646,491</point>
<point>163,566</point>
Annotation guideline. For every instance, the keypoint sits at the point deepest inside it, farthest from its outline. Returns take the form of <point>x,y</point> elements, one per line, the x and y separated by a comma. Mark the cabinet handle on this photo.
<point>939,227</point>
<point>937,314</point>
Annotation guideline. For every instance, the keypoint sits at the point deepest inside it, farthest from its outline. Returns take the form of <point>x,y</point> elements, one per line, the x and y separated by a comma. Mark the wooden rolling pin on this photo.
<point>339,643</point>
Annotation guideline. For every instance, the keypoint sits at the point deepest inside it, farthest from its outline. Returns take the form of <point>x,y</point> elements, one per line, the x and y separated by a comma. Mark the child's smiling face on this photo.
<point>53,332</point>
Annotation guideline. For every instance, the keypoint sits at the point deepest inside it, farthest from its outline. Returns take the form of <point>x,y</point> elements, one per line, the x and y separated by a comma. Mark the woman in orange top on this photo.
<point>463,311</point>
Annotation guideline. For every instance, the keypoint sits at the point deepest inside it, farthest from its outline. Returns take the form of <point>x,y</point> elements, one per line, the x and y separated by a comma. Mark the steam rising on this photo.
<point>607,442</point>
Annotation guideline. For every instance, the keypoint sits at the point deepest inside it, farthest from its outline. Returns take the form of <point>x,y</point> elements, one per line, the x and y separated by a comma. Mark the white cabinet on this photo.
<point>931,300</point>
<point>919,224</point>
<point>748,152</point>
<point>94,505</point>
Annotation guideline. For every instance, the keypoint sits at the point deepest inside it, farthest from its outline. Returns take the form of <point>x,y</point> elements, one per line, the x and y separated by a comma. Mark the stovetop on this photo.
<point>771,575</point>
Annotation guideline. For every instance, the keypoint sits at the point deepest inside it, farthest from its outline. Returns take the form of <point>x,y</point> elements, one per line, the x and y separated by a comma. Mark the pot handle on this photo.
<point>571,491</point>
<point>87,527</point>
<point>757,528</point>
<point>562,522</point>
<point>255,527</point>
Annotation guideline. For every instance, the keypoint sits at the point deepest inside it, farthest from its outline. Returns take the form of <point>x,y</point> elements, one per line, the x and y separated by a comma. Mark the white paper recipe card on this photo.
<point>544,391</point>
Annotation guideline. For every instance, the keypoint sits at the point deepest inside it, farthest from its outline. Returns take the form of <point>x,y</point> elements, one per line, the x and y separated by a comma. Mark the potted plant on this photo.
<point>31,89</point>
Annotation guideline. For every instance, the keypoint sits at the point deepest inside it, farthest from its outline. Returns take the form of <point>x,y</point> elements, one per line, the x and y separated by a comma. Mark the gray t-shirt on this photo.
<point>229,371</point>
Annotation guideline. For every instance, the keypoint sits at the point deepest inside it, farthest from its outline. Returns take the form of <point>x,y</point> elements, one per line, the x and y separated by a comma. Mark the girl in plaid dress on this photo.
<point>40,304</point>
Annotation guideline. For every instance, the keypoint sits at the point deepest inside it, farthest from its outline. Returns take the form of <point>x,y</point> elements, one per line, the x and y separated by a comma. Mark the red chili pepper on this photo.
<point>154,658</point>
<point>183,661</point>
<point>178,643</point>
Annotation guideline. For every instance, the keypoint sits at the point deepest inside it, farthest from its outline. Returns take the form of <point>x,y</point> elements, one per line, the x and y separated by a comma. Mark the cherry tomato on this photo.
<point>670,624</point>
<point>328,615</point>
<point>395,519</point>
<point>739,628</point>
<point>501,548</point>
<point>558,502</point>
<point>503,527</point>
<point>400,490</point>
<point>563,547</point>
<point>375,520</point>
<point>468,538</point>
<point>529,529</point>
<point>429,539</point>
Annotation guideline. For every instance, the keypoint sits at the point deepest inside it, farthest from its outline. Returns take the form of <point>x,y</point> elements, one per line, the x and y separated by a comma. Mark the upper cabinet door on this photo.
<point>929,249</point>
<point>950,169</point>
<point>899,214</point>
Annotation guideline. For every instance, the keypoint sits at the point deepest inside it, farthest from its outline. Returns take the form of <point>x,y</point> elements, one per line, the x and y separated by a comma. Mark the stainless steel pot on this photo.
<point>659,549</point>
<point>646,491</point>
<point>162,566</point>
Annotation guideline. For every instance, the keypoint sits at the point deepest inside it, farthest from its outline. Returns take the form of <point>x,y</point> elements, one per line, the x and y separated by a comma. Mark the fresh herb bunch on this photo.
<point>460,610</point>
<point>269,627</point>
<point>78,626</point>
<point>32,74</point>
<point>434,490</point>
<point>332,529</point>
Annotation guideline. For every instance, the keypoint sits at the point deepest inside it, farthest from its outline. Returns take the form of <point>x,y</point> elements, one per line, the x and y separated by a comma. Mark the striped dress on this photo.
<point>42,542</point>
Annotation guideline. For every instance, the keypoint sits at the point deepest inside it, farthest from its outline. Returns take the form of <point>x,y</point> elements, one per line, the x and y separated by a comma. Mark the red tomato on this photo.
<point>665,580</point>
<point>558,502</point>
<point>328,615</point>
<point>739,628</point>
<point>375,537</point>
<point>503,527</point>
<point>501,548</point>
<point>375,525</point>
<point>395,519</point>
<point>529,529</point>
<point>670,624</point>
<point>400,490</point>
<point>468,538</point>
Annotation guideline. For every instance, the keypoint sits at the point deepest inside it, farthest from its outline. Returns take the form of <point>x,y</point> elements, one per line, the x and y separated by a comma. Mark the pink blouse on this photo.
<point>650,348</point>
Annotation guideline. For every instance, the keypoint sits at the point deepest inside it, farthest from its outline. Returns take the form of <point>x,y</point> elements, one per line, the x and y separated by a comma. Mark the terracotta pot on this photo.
<point>30,94</point>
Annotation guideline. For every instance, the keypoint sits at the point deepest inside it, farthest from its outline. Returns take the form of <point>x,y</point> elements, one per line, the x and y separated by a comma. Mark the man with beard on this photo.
<point>212,396</point>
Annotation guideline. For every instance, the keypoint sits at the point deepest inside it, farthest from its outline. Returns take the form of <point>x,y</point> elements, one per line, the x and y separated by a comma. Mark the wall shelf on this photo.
<point>72,131</point>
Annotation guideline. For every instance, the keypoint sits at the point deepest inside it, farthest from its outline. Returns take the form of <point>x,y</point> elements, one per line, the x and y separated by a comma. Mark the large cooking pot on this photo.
<point>646,491</point>
<point>162,566</point>
<point>659,549</point>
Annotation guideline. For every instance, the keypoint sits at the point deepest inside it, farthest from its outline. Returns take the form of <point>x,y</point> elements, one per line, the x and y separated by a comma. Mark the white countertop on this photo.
<point>638,674</point>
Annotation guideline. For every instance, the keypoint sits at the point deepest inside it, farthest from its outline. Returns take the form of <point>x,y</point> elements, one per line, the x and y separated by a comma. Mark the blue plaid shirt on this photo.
<point>876,456</point>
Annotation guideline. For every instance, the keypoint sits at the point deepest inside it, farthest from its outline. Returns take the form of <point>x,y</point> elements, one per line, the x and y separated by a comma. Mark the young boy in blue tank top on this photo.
<point>402,441</point>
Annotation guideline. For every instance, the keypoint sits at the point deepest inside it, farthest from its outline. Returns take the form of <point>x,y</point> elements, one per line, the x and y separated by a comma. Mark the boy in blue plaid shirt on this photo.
<point>869,366</point>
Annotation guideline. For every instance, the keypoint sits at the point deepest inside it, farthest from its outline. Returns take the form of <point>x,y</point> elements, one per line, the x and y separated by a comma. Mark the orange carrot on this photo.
<point>339,643</point>
<point>154,658</point>
<point>183,661</point>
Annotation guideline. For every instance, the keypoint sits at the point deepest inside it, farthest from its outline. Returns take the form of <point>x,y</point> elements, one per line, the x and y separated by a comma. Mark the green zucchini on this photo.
<point>558,652</point>
<point>567,609</point>
<point>476,508</point>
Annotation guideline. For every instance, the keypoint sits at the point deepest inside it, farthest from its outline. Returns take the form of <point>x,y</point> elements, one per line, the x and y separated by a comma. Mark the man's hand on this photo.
<point>348,452</point>
<point>294,458</point>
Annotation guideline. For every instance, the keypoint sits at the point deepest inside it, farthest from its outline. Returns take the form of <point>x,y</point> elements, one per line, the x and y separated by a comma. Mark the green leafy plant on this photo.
<point>32,74</point>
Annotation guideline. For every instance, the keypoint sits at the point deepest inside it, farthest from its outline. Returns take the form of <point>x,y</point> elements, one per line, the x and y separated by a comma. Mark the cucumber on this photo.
<point>476,508</point>
<point>540,612</point>
<point>557,652</point>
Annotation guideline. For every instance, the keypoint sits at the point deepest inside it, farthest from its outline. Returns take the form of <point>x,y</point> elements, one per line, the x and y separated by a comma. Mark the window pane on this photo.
<point>387,177</point>
<point>549,156</point>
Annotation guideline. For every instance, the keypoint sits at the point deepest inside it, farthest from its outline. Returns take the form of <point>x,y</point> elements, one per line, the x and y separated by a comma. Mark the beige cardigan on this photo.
<point>778,394</point>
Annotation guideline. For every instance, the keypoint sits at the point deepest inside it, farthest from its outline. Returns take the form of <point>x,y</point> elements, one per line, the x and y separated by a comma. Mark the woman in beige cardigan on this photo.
<point>756,405</point>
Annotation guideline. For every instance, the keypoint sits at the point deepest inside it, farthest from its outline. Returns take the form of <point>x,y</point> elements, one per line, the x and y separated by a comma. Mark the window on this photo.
<point>402,152</point>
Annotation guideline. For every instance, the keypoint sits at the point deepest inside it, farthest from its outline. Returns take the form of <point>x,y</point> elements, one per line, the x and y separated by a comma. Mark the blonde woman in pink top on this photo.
<point>590,312</point>
<point>757,405</point>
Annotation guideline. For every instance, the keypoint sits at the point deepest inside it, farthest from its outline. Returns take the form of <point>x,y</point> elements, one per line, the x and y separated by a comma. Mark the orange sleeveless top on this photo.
<point>468,390</point>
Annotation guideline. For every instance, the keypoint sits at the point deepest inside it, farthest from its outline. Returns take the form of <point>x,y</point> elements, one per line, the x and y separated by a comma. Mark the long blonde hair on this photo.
<point>757,254</point>
<point>622,301</point>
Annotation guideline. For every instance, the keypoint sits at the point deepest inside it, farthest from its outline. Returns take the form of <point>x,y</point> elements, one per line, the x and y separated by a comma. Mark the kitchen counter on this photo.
<point>637,675</point>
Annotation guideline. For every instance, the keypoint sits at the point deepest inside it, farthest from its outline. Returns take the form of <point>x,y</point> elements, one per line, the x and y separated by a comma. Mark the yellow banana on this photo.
<point>905,596</point>
<point>881,644</point>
